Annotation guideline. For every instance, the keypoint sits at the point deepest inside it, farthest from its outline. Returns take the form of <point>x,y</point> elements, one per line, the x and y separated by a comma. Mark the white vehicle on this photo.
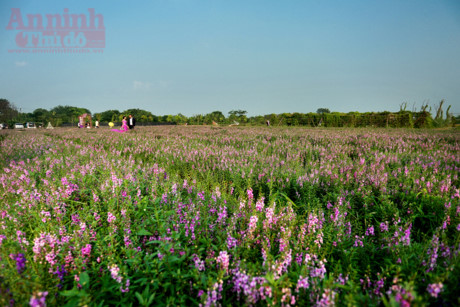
<point>30,126</point>
<point>18,126</point>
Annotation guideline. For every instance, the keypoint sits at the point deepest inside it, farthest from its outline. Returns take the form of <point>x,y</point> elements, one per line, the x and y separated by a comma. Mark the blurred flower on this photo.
<point>20,259</point>
<point>223,260</point>
<point>38,300</point>
<point>110,217</point>
<point>435,289</point>
<point>114,271</point>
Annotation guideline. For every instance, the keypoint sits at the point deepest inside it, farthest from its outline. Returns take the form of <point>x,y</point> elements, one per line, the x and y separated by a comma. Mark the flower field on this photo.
<point>219,216</point>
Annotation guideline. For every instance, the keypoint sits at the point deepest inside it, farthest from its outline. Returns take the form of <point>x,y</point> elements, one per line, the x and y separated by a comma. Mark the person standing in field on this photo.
<point>131,122</point>
<point>124,126</point>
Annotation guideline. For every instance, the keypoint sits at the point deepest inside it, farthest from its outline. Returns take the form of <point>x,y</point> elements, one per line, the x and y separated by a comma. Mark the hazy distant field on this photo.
<point>229,216</point>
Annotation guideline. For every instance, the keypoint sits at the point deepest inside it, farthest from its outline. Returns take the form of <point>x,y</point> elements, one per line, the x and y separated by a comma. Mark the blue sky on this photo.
<point>262,56</point>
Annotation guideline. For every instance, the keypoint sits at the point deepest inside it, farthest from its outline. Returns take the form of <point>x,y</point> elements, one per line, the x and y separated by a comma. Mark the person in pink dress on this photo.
<point>124,126</point>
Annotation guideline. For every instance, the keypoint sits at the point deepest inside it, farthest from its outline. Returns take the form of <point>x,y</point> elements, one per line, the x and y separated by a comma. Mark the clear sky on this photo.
<point>262,56</point>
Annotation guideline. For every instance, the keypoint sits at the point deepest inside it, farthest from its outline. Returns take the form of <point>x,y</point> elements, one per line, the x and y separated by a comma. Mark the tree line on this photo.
<point>323,117</point>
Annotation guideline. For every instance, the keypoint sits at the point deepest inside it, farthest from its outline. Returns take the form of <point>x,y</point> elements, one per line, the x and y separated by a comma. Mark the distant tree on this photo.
<point>8,111</point>
<point>299,119</point>
<point>323,111</point>
<point>169,119</point>
<point>403,106</point>
<point>272,118</point>
<point>196,119</point>
<point>41,115</point>
<point>180,119</point>
<point>457,120</point>
<point>439,120</point>
<point>216,116</point>
<point>286,119</point>
<point>28,117</point>
<point>257,120</point>
<point>155,118</point>
<point>142,116</point>
<point>238,116</point>
<point>163,119</point>
<point>108,116</point>
<point>68,114</point>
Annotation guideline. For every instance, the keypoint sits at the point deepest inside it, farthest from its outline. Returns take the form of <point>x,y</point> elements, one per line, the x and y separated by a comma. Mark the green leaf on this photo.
<point>72,292</point>
<point>144,232</point>
<point>84,278</point>
<point>140,298</point>
<point>151,298</point>
<point>173,259</point>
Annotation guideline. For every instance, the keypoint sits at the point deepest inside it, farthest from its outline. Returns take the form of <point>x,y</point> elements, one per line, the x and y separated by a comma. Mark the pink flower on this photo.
<point>253,223</point>
<point>250,195</point>
<point>114,270</point>
<point>126,289</point>
<point>260,204</point>
<point>302,283</point>
<point>86,251</point>
<point>110,217</point>
<point>435,289</point>
<point>223,260</point>
<point>38,300</point>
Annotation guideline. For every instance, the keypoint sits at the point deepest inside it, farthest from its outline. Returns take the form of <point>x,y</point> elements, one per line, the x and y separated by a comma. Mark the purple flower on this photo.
<point>126,289</point>
<point>75,219</point>
<point>199,264</point>
<point>38,300</point>
<point>86,251</point>
<point>302,283</point>
<point>260,204</point>
<point>383,227</point>
<point>110,217</point>
<point>114,272</point>
<point>358,242</point>
<point>20,262</point>
<point>253,223</point>
<point>60,273</point>
<point>250,194</point>
<point>231,242</point>
<point>406,238</point>
<point>223,259</point>
<point>370,231</point>
<point>435,289</point>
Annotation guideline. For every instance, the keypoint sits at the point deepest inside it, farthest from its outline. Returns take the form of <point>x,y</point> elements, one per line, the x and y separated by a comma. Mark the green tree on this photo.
<point>41,115</point>
<point>180,119</point>
<point>439,120</point>
<point>197,119</point>
<point>108,116</point>
<point>323,111</point>
<point>141,116</point>
<point>8,112</point>
<point>216,116</point>
<point>457,120</point>
<point>257,120</point>
<point>68,114</point>
<point>272,118</point>
<point>238,116</point>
